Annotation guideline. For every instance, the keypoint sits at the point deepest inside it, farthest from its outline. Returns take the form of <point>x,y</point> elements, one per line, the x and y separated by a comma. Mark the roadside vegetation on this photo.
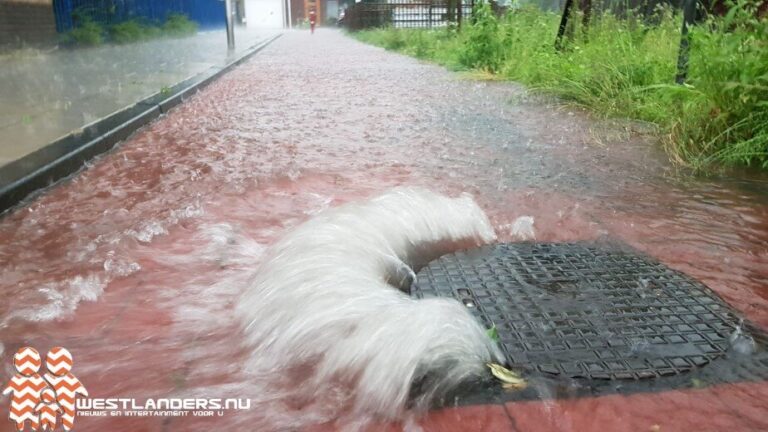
<point>88,32</point>
<point>625,68</point>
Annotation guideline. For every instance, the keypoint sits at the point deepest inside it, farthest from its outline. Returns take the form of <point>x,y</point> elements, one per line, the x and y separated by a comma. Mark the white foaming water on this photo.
<point>223,245</point>
<point>62,299</point>
<point>325,299</point>
<point>522,228</point>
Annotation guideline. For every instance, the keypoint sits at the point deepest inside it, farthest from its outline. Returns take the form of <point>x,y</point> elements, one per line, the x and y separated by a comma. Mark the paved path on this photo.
<point>46,95</point>
<point>136,263</point>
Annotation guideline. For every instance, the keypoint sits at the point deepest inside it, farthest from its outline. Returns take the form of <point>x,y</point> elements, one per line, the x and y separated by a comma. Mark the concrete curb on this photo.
<point>20,179</point>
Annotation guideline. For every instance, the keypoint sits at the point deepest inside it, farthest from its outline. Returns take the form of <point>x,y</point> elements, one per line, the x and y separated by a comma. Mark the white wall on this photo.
<point>263,13</point>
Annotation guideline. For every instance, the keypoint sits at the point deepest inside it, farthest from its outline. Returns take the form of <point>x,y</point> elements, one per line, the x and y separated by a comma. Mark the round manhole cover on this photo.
<point>585,311</point>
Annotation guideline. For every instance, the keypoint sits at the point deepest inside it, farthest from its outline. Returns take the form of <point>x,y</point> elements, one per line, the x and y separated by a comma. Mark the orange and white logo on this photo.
<point>51,400</point>
<point>40,401</point>
<point>48,410</point>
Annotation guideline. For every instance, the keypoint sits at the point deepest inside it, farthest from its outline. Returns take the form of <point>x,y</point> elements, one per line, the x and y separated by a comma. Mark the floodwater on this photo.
<point>47,94</point>
<point>135,264</point>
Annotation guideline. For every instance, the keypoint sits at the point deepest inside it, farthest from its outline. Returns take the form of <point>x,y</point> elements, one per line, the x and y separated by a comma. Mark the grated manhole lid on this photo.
<point>583,311</point>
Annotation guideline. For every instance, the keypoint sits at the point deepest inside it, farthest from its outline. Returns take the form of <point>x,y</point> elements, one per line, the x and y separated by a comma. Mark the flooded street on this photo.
<point>47,94</point>
<point>135,264</point>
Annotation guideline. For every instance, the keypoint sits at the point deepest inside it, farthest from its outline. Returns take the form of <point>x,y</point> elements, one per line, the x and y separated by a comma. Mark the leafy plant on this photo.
<point>179,25</point>
<point>131,31</point>
<point>729,87</point>
<point>87,32</point>
<point>483,46</point>
<point>493,333</point>
<point>626,68</point>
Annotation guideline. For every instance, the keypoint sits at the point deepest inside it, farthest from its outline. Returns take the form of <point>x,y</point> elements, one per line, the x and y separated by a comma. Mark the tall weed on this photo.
<point>483,46</point>
<point>625,67</point>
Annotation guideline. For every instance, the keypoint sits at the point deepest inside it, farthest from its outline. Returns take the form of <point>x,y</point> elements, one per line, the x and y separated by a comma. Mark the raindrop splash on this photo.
<point>741,343</point>
<point>522,228</point>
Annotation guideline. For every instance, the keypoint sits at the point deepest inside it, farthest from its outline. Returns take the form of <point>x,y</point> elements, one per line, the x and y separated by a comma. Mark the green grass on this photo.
<point>132,31</point>
<point>625,68</point>
<point>179,25</point>
<point>88,32</point>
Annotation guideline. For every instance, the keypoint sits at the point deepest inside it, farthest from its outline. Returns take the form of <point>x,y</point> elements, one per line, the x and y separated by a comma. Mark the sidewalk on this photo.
<point>136,264</point>
<point>46,95</point>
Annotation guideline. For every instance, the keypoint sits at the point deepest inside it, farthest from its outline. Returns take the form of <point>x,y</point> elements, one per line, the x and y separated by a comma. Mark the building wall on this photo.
<point>26,22</point>
<point>206,13</point>
<point>297,10</point>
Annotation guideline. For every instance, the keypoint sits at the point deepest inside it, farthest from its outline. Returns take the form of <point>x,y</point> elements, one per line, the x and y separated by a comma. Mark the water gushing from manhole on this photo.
<point>321,301</point>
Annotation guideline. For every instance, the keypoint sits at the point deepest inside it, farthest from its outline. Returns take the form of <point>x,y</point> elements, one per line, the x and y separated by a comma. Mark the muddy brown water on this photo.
<point>123,264</point>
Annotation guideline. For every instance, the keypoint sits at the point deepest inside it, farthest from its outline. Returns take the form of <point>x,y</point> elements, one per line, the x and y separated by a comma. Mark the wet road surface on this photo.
<point>48,94</point>
<point>134,264</point>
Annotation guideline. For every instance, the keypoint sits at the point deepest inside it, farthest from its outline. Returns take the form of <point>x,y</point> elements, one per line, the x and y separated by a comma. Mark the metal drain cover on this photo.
<point>585,311</point>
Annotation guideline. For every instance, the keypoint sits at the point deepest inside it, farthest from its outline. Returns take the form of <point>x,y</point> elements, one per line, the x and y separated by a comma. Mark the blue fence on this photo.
<point>207,13</point>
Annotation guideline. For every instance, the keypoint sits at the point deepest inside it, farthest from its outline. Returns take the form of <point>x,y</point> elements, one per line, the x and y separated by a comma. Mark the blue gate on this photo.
<point>207,13</point>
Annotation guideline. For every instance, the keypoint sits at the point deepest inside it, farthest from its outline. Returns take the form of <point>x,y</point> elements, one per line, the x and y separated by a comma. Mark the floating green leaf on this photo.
<point>493,333</point>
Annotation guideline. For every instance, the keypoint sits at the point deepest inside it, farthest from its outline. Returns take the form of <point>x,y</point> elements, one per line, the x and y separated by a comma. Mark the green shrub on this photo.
<point>131,31</point>
<point>483,45</point>
<point>441,46</point>
<point>388,39</point>
<point>87,32</point>
<point>728,93</point>
<point>625,68</point>
<point>179,25</point>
